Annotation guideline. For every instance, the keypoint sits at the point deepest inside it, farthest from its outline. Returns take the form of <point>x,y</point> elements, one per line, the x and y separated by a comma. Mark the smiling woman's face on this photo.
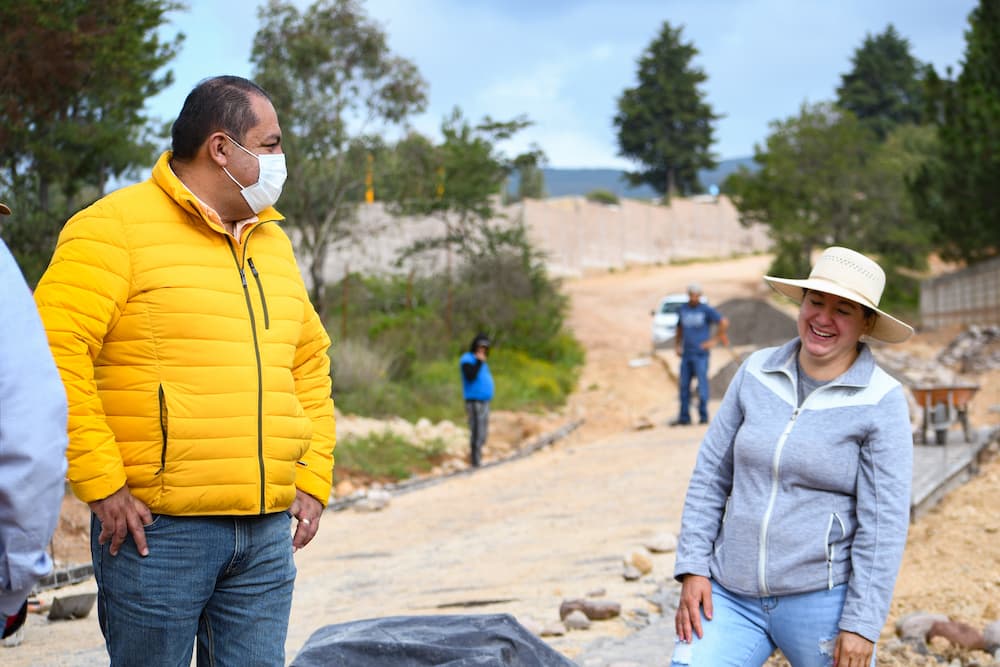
<point>830,328</point>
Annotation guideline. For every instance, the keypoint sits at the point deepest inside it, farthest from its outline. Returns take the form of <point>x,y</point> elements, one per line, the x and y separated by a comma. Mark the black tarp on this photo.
<point>418,641</point>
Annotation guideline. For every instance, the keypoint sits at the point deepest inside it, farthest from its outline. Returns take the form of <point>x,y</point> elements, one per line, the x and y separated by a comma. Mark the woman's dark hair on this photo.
<point>481,340</point>
<point>218,103</point>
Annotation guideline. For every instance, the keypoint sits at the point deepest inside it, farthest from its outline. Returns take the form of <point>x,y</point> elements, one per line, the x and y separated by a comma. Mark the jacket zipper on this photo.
<point>775,477</point>
<point>260,288</point>
<point>260,374</point>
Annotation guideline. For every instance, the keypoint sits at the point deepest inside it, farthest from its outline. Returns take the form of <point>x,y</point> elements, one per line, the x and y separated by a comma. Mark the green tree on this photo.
<point>824,179</point>
<point>957,189</point>
<point>885,87</point>
<point>807,188</point>
<point>530,178</point>
<point>468,178</point>
<point>74,78</point>
<point>664,122</point>
<point>336,86</point>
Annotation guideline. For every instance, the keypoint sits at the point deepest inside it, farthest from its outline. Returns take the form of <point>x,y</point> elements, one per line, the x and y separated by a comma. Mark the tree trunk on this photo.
<point>671,183</point>
<point>317,290</point>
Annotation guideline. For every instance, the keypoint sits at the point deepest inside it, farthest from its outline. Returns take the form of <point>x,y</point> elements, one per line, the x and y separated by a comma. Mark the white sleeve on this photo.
<point>32,440</point>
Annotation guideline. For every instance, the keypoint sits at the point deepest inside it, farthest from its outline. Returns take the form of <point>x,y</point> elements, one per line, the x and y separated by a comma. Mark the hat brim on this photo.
<point>887,328</point>
<point>4,209</point>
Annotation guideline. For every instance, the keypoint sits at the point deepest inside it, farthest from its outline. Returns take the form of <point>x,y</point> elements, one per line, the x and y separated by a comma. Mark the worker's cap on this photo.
<point>694,288</point>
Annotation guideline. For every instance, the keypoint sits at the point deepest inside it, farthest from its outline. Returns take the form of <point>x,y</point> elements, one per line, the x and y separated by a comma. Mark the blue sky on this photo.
<point>564,63</point>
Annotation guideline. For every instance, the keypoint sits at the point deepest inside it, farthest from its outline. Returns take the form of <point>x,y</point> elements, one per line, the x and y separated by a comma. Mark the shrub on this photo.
<point>601,196</point>
<point>387,455</point>
<point>357,365</point>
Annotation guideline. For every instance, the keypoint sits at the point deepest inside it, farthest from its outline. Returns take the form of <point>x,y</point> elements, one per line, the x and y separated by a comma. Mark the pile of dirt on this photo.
<point>756,322</point>
<point>753,324</point>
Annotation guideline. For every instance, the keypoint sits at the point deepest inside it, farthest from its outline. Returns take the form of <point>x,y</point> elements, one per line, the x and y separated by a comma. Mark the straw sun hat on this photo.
<point>851,275</point>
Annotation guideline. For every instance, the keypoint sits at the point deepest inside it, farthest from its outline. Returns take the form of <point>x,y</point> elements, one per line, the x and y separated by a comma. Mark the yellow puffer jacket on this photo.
<point>195,366</point>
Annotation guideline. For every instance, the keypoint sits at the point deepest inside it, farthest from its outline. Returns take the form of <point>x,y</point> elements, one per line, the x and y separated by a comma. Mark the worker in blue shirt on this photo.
<point>477,388</point>
<point>693,340</point>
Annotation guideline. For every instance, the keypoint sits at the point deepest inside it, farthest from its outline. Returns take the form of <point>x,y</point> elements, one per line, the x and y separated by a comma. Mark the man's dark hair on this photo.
<point>481,340</point>
<point>219,103</point>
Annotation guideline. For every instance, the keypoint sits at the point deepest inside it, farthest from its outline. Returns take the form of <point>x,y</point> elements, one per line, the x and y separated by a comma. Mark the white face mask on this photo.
<point>265,192</point>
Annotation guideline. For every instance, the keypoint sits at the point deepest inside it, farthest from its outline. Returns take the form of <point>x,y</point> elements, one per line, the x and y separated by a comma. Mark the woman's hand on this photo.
<point>851,650</point>
<point>696,594</point>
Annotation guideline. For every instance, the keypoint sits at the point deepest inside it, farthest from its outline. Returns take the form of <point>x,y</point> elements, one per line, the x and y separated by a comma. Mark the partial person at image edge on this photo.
<point>201,425</point>
<point>32,444</point>
<point>477,389</point>
<point>797,512</point>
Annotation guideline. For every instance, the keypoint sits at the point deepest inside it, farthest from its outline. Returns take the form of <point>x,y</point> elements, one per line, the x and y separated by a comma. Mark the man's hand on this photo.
<point>852,650</point>
<point>122,513</point>
<point>696,593</point>
<point>308,511</point>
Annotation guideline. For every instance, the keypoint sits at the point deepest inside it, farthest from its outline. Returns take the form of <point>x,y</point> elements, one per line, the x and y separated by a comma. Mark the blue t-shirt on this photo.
<point>480,388</point>
<point>696,325</point>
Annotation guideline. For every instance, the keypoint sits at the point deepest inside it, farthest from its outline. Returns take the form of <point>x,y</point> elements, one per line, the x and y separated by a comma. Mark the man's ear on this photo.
<point>218,147</point>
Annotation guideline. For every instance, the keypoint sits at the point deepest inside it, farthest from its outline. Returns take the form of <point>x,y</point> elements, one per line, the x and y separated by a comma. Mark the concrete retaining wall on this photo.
<point>574,234</point>
<point>969,296</point>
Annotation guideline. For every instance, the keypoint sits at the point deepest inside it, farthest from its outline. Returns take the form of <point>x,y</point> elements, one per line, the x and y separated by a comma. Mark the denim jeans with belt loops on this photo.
<point>744,631</point>
<point>226,581</point>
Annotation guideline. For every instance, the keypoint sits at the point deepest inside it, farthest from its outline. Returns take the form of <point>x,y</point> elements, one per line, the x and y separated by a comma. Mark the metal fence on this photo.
<point>969,296</point>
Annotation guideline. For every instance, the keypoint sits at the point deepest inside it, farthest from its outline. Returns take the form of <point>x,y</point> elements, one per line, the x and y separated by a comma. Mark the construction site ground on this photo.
<point>523,536</point>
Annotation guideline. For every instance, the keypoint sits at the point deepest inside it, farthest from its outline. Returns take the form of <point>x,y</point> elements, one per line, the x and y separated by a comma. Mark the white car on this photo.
<point>665,318</point>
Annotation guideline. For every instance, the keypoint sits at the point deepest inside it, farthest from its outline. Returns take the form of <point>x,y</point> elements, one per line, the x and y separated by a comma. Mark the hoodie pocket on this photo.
<point>831,549</point>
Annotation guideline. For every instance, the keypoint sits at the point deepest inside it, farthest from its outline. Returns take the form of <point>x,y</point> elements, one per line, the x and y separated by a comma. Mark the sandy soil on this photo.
<point>561,519</point>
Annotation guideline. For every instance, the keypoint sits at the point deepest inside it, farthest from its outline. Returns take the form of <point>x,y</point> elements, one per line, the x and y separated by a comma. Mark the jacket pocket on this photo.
<point>831,549</point>
<point>161,397</point>
<point>722,524</point>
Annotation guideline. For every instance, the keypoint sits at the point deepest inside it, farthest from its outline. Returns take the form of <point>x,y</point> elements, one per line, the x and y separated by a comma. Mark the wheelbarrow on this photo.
<point>943,406</point>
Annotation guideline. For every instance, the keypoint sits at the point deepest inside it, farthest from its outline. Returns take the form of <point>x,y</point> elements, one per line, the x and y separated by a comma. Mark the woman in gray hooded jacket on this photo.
<point>797,511</point>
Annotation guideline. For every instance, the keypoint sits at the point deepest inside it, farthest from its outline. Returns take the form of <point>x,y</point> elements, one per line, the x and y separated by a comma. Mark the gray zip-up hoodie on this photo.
<point>787,499</point>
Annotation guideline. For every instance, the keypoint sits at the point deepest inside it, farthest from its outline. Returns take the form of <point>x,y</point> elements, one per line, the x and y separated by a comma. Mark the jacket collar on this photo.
<point>782,360</point>
<point>164,177</point>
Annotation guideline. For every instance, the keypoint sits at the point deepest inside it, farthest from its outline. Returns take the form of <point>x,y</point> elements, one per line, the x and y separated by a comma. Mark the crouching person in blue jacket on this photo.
<point>798,507</point>
<point>477,387</point>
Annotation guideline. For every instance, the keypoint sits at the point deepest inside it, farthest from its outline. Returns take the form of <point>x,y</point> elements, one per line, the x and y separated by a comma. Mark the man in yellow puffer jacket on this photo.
<point>197,374</point>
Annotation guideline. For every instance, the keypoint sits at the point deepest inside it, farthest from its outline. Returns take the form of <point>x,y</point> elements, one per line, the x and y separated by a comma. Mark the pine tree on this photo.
<point>664,123</point>
<point>957,191</point>
<point>884,89</point>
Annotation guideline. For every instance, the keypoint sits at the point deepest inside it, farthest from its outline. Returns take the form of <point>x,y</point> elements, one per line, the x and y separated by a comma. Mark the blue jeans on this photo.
<point>226,580</point>
<point>744,631</point>
<point>694,364</point>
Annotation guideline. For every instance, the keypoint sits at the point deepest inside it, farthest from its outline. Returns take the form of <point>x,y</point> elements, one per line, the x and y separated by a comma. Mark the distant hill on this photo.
<point>568,182</point>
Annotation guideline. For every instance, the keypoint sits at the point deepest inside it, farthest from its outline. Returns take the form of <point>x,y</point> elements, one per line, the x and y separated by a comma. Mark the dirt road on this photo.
<point>523,536</point>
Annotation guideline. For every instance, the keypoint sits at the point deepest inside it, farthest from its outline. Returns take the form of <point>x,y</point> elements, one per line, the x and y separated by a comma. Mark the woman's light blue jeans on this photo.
<point>744,631</point>
<point>226,580</point>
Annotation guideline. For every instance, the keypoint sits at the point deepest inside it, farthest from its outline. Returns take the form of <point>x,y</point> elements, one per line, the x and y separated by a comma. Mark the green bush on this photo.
<point>356,365</point>
<point>601,196</point>
<point>387,456</point>
<point>400,358</point>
